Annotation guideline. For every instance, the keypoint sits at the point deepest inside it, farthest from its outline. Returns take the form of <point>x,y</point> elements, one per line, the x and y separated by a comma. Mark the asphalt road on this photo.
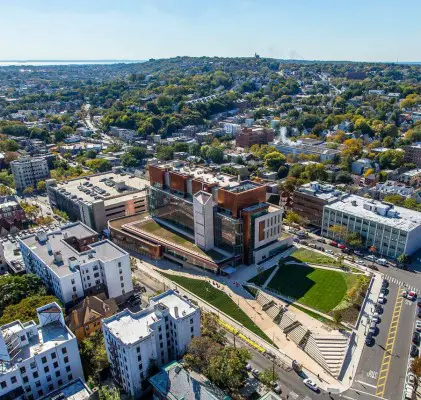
<point>291,382</point>
<point>381,372</point>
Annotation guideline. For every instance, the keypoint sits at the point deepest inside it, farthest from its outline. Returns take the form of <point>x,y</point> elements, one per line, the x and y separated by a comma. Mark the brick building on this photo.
<point>254,135</point>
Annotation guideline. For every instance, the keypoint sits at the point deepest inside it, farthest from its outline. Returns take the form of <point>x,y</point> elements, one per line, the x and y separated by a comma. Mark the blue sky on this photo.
<point>360,30</point>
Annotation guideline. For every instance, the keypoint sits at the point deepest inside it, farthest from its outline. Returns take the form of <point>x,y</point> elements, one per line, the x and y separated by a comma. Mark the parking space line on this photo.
<point>367,384</point>
<point>390,343</point>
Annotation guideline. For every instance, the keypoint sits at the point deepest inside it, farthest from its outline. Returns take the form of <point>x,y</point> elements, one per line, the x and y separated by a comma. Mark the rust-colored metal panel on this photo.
<point>196,186</point>
<point>156,175</point>
<point>178,182</point>
<point>235,202</point>
<point>261,231</point>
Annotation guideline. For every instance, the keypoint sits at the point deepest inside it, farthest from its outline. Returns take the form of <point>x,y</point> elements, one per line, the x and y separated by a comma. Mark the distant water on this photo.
<point>40,63</point>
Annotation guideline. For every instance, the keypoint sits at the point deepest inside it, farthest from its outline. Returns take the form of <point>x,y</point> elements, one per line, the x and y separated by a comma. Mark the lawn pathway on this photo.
<point>270,277</point>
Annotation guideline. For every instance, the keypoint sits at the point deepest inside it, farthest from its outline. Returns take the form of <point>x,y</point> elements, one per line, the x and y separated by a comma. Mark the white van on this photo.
<point>382,261</point>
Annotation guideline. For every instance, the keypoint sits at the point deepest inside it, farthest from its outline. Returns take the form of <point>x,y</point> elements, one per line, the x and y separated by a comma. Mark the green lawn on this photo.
<point>260,279</point>
<point>312,257</point>
<point>219,300</point>
<point>152,227</point>
<point>318,288</point>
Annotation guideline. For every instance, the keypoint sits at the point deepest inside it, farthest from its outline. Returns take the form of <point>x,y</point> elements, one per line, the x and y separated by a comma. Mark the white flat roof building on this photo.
<point>38,359</point>
<point>28,171</point>
<point>73,264</point>
<point>160,332</point>
<point>390,229</point>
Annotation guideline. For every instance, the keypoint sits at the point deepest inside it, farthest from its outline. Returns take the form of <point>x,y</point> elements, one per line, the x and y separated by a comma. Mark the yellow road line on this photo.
<point>390,343</point>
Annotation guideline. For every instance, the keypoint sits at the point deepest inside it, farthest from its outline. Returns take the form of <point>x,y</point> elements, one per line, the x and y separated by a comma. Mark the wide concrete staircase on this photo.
<point>328,351</point>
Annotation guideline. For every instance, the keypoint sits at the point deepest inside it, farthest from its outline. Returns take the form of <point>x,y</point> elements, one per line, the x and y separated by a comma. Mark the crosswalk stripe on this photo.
<point>293,395</point>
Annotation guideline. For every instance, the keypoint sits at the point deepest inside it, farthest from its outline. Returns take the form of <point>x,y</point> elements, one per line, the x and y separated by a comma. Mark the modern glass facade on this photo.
<point>228,234</point>
<point>171,208</point>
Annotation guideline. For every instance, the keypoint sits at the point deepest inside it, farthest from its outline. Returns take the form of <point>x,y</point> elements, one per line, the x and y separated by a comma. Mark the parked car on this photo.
<point>249,367</point>
<point>410,379</point>
<point>360,262</point>
<point>321,240</point>
<point>379,308</point>
<point>414,351</point>
<point>373,328</point>
<point>416,338</point>
<point>381,298</point>
<point>278,389</point>
<point>333,243</point>
<point>385,283</point>
<point>419,312</point>
<point>370,258</point>
<point>341,246</point>
<point>419,303</point>
<point>382,261</point>
<point>255,372</point>
<point>376,318</point>
<point>310,384</point>
<point>411,295</point>
<point>358,253</point>
<point>329,251</point>
<point>418,326</point>
<point>369,339</point>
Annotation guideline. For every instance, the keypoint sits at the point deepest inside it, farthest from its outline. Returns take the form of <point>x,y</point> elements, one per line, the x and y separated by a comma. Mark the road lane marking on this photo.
<point>367,384</point>
<point>369,394</point>
<point>390,343</point>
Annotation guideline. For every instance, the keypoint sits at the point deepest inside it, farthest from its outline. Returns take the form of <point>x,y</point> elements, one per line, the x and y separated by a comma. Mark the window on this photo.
<point>35,374</point>
<point>22,370</point>
<point>23,338</point>
<point>138,348</point>
<point>55,365</point>
<point>28,389</point>
<point>60,382</point>
<point>64,350</point>
<point>191,329</point>
<point>46,369</point>
<point>66,359</point>
<point>44,360</point>
<point>191,320</point>
<point>74,288</point>
<point>48,378</point>
<point>139,358</point>
<point>122,285</point>
<point>37,383</point>
<point>50,388</point>
<point>3,384</point>
<point>57,374</point>
<point>25,379</point>
<point>70,377</point>
<point>68,368</point>
<point>119,265</point>
<point>53,355</point>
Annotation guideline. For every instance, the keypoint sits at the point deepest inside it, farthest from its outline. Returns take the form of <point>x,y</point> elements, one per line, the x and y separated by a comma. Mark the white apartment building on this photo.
<point>390,229</point>
<point>73,264</point>
<point>38,359</point>
<point>28,171</point>
<point>157,334</point>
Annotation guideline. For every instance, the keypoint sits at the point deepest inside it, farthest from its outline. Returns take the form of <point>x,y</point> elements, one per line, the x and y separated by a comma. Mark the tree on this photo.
<point>99,165</point>
<point>15,288</point>
<point>30,210</point>
<point>25,310</point>
<point>211,327</point>
<point>227,369</point>
<point>340,230</point>
<point>199,353</point>
<point>391,158</point>
<point>268,377</point>
<point>41,186</point>
<point>129,160</point>
<point>91,154</point>
<point>5,190</point>
<point>108,393</point>
<point>274,160</point>
<point>63,133</point>
<point>404,259</point>
<point>416,367</point>
<point>352,147</point>
<point>215,154</point>
<point>28,190</point>
<point>337,317</point>
<point>343,177</point>
<point>292,218</point>
<point>93,355</point>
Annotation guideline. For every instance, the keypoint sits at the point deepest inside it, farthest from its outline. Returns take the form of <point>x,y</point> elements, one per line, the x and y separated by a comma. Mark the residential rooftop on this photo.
<point>75,390</point>
<point>173,382</point>
<point>377,211</point>
<point>58,242</point>
<point>131,327</point>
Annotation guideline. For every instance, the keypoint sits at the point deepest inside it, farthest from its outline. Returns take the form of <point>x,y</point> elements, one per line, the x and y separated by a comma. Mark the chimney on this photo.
<point>176,311</point>
<point>58,257</point>
<point>75,316</point>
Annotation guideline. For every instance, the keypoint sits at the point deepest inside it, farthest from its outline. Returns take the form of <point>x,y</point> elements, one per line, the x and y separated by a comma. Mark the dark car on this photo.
<point>385,283</point>
<point>414,351</point>
<point>379,308</point>
<point>419,303</point>
<point>416,338</point>
<point>419,312</point>
<point>369,339</point>
<point>384,290</point>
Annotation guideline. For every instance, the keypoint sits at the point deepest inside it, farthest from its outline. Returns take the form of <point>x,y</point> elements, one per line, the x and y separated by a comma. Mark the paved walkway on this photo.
<point>270,277</point>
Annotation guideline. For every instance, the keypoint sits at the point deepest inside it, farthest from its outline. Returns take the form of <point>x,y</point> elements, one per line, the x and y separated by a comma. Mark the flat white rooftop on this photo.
<point>405,220</point>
